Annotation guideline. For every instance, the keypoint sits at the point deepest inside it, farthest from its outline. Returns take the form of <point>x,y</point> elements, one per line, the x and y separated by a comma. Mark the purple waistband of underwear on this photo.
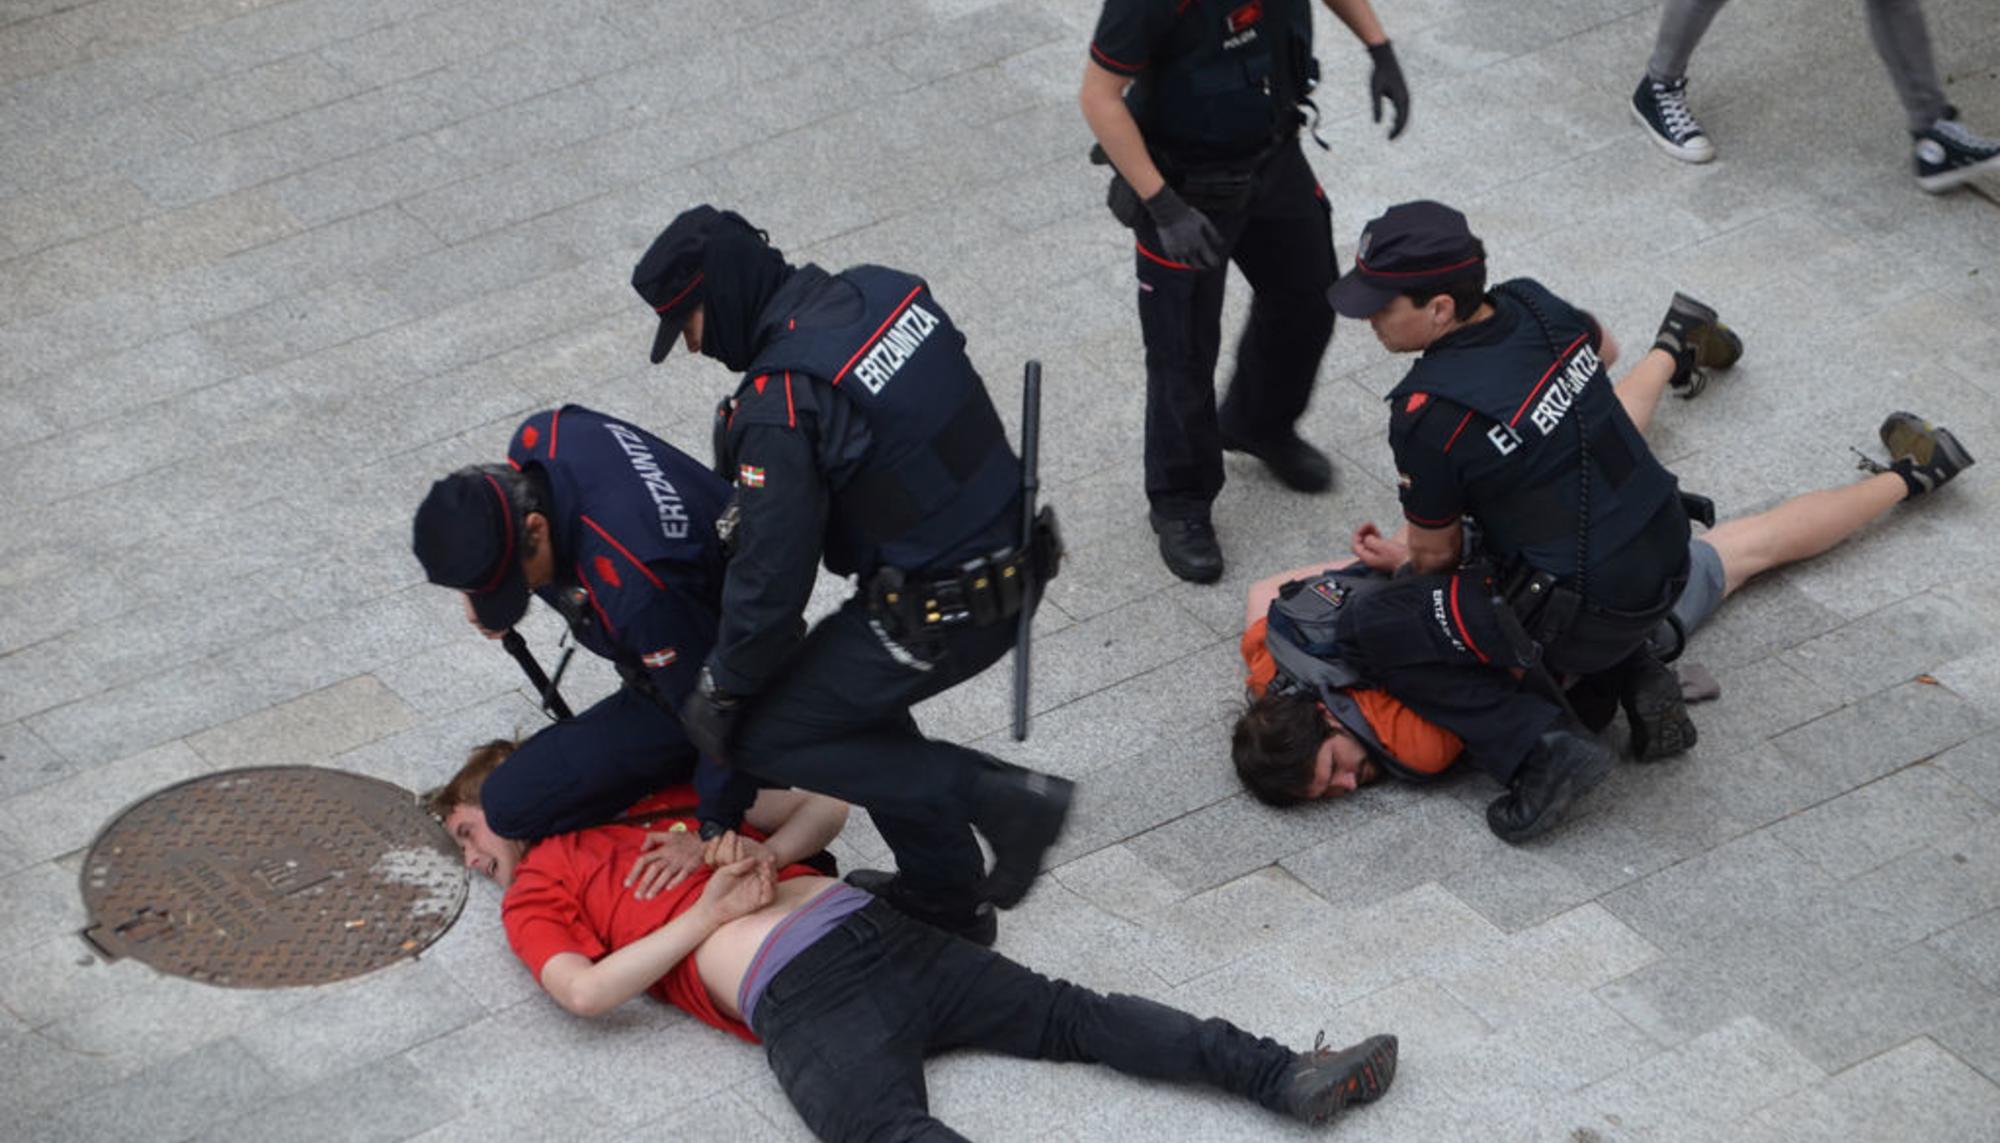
<point>794,935</point>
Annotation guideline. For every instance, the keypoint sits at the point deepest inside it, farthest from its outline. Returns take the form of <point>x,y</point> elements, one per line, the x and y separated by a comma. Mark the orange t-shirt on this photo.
<point>1417,742</point>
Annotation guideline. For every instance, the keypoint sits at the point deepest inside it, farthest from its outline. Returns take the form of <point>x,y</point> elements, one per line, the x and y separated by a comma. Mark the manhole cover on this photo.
<point>271,876</point>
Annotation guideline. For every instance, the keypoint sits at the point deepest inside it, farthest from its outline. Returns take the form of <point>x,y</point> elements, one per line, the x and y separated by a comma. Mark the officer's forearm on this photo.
<point>1104,110</point>
<point>1359,16</point>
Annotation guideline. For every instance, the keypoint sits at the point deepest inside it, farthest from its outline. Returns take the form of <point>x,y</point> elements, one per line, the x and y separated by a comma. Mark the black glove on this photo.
<point>1387,82</point>
<point>1186,234</point>
<point>709,718</point>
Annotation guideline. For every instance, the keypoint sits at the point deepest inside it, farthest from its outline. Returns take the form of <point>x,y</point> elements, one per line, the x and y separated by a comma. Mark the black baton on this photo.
<point>552,700</point>
<point>1031,435</point>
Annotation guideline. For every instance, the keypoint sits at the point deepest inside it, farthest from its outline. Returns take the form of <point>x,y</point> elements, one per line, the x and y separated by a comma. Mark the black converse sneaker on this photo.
<point>1947,154</point>
<point>1662,109</point>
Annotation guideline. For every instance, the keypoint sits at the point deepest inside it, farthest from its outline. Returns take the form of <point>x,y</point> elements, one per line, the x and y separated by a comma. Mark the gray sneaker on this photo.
<point>1323,1081</point>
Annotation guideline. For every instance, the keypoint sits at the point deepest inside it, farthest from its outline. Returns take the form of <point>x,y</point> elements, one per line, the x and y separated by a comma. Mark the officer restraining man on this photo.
<point>1509,421</point>
<point>615,529</point>
<point>1196,104</point>
<point>861,434</point>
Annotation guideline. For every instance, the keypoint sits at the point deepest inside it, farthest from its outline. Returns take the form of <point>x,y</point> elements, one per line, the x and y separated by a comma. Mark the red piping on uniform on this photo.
<point>671,302</point>
<point>877,335</point>
<point>1460,620</point>
<point>1420,522</point>
<point>506,553</point>
<point>1417,273</point>
<point>514,464</point>
<point>1461,428</point>
<point>1119,65</point>
<point>1560,358</point>
<point>594,605</point>
<point>1167,262</point>
<point>791,414</point>
<point>643,569</point>
<point>554,418</point>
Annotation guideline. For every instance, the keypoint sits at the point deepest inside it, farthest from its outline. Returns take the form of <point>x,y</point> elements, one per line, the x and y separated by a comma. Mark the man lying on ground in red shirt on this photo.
<point>1288,749</point>
<point>847,995</point>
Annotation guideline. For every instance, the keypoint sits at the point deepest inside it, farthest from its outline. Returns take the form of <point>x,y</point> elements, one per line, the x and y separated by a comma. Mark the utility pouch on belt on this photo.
<point>1699,508</point>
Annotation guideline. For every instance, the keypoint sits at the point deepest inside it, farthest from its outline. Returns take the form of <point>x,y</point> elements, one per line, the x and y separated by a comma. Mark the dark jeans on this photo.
<point>1283,243</point>
<point>846,1027</point>
<point>1435,643</point>
<point>838,722</point>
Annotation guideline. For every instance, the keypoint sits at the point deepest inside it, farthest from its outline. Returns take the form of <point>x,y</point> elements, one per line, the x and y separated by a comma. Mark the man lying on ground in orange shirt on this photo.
<point>1288,748</point>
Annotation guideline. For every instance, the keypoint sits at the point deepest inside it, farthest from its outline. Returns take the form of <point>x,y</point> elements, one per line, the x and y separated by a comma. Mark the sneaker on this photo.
<point>1947,154</point>
<point>1560,768</point>
<point>1297,465</point>
<point>1323,1081</point>
<point>1924,455</point>
<point>1698,341</point>
<point>1655,712</point>
<point>1189,547</point>
<point>1662,109</point>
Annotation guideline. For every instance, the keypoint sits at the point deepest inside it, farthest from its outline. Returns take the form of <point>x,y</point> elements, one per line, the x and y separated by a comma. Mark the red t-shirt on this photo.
<point>1417,742</point>
<point>569,895</point>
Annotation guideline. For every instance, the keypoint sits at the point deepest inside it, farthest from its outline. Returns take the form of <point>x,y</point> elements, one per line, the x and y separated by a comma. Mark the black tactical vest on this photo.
<point>1552,403</point>
<point>1229,80</point>
<point>1300,632</point>
<point>937,470</point>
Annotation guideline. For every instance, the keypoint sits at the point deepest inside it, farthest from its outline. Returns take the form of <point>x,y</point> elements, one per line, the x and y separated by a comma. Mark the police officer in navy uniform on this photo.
<point>616,530</point>
<point>1508,421</point>
<point>1196,103</point>
<point>862,436</point>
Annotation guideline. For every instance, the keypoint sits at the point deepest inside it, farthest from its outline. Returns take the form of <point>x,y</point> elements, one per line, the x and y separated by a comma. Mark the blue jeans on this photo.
<point>847,1024</point>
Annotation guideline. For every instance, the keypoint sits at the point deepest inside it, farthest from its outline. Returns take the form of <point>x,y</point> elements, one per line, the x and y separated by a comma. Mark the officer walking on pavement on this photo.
<point>615,529</point>
<point>860,434</point>
<point>1197,106</point>
<point>1508,420</point>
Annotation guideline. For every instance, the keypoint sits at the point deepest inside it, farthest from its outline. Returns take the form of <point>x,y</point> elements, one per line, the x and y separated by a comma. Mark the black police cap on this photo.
<point>669,275</point>
<point>1412,246</point>
<point>468,536</point>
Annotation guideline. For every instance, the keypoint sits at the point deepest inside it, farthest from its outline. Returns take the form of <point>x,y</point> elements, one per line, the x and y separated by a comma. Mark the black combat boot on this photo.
<point>973,920</point>
<point>1560,768</point>
<point>1189,547</point>
<point>1021,813</point>
<point>1297,465</point>
<point>1655,712</point>
<point>1323,1081</point>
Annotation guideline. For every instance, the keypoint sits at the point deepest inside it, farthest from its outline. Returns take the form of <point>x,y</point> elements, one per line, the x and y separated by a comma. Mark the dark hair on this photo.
<point>1275,745</point>
<point>1466,289</point>
<point>526,491</point>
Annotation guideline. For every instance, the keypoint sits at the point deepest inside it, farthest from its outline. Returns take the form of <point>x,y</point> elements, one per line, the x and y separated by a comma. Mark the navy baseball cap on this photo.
<point>1413,245</point>
<point>669,276</point>
<point>468,537</point>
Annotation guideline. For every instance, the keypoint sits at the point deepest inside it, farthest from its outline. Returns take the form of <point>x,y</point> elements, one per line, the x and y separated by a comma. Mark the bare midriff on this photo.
<point>725,956</point>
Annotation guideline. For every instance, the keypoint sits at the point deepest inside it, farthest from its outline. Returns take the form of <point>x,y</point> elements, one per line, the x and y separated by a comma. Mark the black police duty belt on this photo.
<point>978,593</point>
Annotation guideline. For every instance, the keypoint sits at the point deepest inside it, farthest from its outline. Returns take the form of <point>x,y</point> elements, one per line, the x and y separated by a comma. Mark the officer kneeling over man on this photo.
<point>861,434</point>
<point>1319,726</point>
<point>1507,421</point>
<point>615,529</point>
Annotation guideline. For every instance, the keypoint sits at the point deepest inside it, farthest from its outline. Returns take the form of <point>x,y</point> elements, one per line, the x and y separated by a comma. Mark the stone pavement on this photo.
<point>267,268</point>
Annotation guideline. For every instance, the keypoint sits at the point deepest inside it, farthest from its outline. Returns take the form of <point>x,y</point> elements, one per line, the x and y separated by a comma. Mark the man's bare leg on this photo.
<point>1800,528</point>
